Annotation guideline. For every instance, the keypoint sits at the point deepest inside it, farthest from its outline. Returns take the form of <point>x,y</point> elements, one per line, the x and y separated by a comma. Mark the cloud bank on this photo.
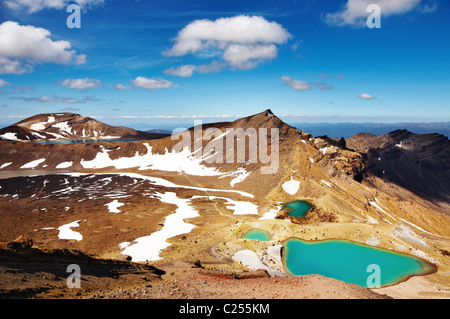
<point>354,12</point>
<point>21,47</point>
<point>36,5</point>
<point>242,42</point>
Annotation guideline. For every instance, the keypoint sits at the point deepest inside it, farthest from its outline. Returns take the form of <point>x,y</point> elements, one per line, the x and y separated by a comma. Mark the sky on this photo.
<point>172,61</point>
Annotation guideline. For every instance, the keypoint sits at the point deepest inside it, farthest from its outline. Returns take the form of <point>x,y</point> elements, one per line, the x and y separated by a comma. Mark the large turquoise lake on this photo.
<point>298,208</point>
<point>351,262</point>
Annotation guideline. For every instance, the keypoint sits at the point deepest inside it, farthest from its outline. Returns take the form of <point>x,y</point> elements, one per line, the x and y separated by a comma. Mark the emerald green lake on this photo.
<point>257,234</point>
<point>350,262</point>
<point>298,208</point>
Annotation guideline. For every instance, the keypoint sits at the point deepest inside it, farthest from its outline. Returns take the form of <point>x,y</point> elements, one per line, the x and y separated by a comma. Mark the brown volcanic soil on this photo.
<point>34,273</point>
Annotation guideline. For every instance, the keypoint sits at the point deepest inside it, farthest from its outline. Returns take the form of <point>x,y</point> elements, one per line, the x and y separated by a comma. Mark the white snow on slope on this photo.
<point>64,127</point>
<point>291,186</point>
<point>326,183</point>
<point>41,125</point>
<point>9,136</point>
<point>251,260</point>
<point>64,165</point>
<point>5,165</point>
<point>241,174</point>
<point>405,233</point>
<point>33,164</point>
<point>114,206</point>
<point>149,247</point>
<point>271,214</point>
<point>238,207</point>
<point>377,206</point>
<point>182,161</point>
<point>162,182</point>
<point>65,231</point>
<point>165,183</point>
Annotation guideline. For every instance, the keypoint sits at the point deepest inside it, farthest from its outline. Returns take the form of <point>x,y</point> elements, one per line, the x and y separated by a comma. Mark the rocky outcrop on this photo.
<point>417,162</point>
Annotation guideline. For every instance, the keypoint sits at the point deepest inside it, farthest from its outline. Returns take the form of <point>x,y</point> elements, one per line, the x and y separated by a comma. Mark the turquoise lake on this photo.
<point>350,262</point>
<point>298,208</point>
<point>257,234</point>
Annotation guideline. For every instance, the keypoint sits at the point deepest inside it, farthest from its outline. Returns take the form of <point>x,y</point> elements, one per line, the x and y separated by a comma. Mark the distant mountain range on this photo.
<point>347,130</point>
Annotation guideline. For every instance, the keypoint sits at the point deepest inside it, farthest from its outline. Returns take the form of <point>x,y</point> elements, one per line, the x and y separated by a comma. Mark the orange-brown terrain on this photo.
<point>95,204</point>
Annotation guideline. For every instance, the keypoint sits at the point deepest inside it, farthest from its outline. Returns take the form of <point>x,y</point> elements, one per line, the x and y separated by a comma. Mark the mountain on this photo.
<point>417,162</point>
<point>63,126</point>
<point>159,131</point>
<point>191,196</point>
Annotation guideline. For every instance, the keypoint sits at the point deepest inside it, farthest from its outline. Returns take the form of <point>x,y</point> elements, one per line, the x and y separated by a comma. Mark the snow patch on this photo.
<point>64,165</point>
<point>251,260</point>
<point>405,233</point>
<point>149,247</point>
<point>63,127</point>
<point>33,164</point>
<point>65,231</point>
<point>291,186</point>
<point>114,206</point>
<point>38,126</point>
<point>5,165</point>
<point>271,214</point>
<point>182,161</point>
<point>379,207</point>
<point>10,136</point>
<point>241,174</point>
<point>238,207</point>
<point>326,183</point>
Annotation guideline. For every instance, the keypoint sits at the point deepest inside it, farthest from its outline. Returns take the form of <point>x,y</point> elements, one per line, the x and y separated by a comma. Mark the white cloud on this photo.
<point>3,83</point>
<point>122,87</point>
<point>82,84</point>
<point>23,46</point>
<point>151,84</point>
<point>189,69</point>
<point>243,41</point>
<point>301,86</point>
<point>184,71</point>
<point>214,66</point>
<point>365,96</point>
<point>297,85</point>
<point>37,5</point>
<point>246,57</point>
<point>355,12</point>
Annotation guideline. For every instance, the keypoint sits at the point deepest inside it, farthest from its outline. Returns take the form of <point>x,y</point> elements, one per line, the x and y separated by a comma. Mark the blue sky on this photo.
<point>174,61</point>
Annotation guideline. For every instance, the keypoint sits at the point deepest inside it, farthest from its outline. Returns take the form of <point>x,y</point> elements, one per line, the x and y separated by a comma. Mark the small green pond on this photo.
<point>298,208</point>
<point>351,262</point>
<point>257,234</point>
